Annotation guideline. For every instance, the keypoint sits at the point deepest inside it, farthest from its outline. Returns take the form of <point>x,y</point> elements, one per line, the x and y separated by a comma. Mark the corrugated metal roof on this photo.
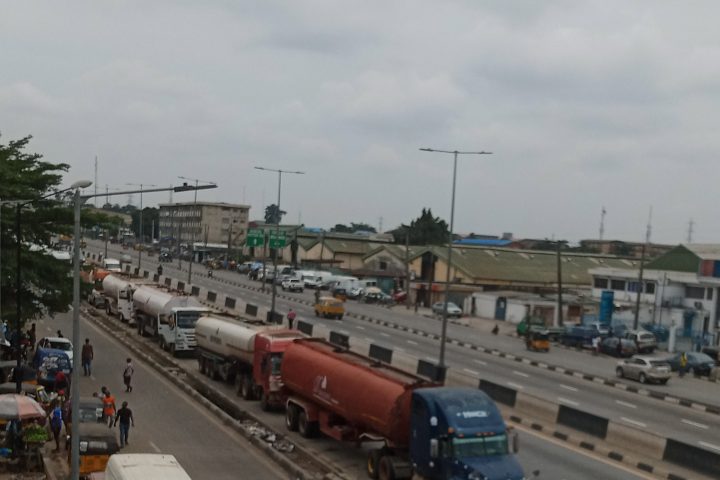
<point>706,251</point>
<point>486,242</point>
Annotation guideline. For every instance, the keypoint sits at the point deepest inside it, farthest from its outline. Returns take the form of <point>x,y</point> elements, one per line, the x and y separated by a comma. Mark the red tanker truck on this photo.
<point>250,351</point>
<point>428,430</point>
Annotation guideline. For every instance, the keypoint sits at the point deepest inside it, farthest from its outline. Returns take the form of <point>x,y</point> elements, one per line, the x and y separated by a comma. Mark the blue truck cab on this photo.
<point>458,433</point>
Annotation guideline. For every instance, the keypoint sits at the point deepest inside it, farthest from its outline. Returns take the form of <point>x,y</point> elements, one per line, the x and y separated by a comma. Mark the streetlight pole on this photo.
<point>443,335</point>
<point>75,385</point>
<point>277,233</point>
<point>141,219</point>
<point>192,229</point>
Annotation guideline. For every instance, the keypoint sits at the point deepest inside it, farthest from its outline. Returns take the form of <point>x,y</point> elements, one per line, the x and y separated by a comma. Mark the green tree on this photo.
<point>45,287</point>
<point>149,215</point>
<point>424,230</point>
<point>340,228</point>
<point>273,215</point>
<point>362,227</point>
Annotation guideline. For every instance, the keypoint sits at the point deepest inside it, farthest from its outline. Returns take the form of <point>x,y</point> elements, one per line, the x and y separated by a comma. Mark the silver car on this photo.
<point>452,309</point>
<point>644,369</point>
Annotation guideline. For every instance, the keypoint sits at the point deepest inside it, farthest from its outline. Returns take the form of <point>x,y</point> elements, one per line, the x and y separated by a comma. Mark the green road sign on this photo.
<point>277,239</point>
<point>255,238</point>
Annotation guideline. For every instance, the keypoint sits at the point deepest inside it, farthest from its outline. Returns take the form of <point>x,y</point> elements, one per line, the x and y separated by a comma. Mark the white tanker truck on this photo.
<point>250,351</point>
<point>118,292</point>
<point>168,316</point>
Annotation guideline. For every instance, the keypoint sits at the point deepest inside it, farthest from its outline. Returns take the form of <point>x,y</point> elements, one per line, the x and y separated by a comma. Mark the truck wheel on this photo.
<point>306,428</point>
<point>173,352</point>
<point>264,401</point>
<point>161,342</point>
<point>107,310</point>
<point>291,417</point>
<point>386,468</point>
<point>619,372</point>
<point>246,388</point>
<point>201,365</point>
<point>373,463</point>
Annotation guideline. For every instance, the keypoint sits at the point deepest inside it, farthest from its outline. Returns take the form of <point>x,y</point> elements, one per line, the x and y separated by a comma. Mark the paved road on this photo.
<point>642,412</point>
<point>167,420</point>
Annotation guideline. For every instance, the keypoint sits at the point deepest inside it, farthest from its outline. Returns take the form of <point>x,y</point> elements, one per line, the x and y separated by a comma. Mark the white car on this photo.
<point>452,309</point>
<point>57,343</point>
<point>293,284</point>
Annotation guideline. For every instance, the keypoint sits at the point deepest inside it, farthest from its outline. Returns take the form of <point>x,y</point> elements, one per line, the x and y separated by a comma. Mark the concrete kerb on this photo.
<point>286,463</point>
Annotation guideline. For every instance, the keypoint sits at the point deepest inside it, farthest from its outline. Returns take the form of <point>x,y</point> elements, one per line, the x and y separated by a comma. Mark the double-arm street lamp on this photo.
<point>277,233</point>
<point>443,334</point>
<point>75,385</point>
<point>142,241</point>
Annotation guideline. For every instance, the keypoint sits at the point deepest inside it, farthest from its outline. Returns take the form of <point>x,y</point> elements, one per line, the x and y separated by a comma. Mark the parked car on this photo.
<point>609,346</point>
<point>355,293</point>
<point>644,340</point>
<point>712,352</point>
<point>400,296</point>
<point>293,285</point>
<point>644,369</point>
<point>96,299</point>
<point>578,336</point>
<point>661,333</point>
<point>698,363</point>
<point>452,309</point>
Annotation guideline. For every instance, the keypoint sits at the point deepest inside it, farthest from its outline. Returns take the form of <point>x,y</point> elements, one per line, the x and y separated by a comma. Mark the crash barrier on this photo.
<point>380,353</point>
<point>702,460</point>
<point>434,372</point>
<point>211,297</point>
<point>339,339</point>
<point>180,286</point>
<point>251,309</point>
<point>274,317</point>
<point>583,421</point>
<point>499,393</point>
<point>195,291</point>
<point>305,327</point>
<point>229,302</point>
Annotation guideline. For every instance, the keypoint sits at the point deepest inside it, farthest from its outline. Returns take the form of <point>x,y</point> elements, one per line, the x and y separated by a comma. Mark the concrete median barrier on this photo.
<point>636,440</point>
<point>538,408</point>
<point>681,453</point>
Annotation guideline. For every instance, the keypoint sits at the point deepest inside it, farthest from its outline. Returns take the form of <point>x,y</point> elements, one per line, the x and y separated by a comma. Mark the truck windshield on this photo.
<point>480,446</point>
<point>187,319</point>
<point>275,362</point>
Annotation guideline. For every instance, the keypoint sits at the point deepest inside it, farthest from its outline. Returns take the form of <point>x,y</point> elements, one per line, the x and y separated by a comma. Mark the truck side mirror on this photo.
<point>434,448</point>
<point>515,442</point>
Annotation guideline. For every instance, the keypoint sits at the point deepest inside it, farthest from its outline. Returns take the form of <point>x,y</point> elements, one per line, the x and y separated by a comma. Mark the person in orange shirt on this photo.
<point>109,406</point>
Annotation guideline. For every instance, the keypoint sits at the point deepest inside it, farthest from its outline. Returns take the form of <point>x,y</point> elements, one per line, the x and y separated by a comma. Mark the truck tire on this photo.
<point>201,365</point>
<point>264,400</point>
<point>173,352</point>
<point>306,428</point>
<point>373,463</point>
<point>161,342</point>
<point>246,388</point>
<point>291,417</point>
<point>108,310</point>
<point>386,468</point>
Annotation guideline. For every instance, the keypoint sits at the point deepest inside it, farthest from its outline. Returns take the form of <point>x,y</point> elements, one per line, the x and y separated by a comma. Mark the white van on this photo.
<point>144,466</point>
<point>112,265</point>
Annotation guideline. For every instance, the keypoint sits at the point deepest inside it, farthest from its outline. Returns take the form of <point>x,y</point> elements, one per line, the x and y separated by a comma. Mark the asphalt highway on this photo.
<point>166,420</point>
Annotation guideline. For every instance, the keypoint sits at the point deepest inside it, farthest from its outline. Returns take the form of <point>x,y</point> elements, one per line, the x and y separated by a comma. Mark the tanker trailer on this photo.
<point>434,432</point>
<point>168,316</point>
<point>251,351</point>
<point>118,291</point>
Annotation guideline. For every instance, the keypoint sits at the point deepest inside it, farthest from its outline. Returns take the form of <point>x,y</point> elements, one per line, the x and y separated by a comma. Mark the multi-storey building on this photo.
<point>207,222</point>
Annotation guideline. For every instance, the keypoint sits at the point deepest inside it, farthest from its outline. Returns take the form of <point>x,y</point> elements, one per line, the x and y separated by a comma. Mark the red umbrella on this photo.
<point>14,406</point>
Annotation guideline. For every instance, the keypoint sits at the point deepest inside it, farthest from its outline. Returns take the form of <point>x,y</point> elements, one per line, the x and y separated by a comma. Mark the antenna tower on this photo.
<point>602,222</point>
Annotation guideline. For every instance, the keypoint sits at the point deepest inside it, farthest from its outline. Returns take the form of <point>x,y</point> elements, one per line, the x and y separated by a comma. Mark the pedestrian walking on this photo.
<point>125,417</point>
<point>87,357</point>
<point>317,295</point>
<point>59,333</point>
<point>596,345</point>
<point>108,406</point>
<point>56,423</point>
<point>291,318</point>
<point>127,375</point>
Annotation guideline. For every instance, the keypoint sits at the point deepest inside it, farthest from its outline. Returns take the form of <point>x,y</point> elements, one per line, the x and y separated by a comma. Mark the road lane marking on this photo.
<point>385,334</point>
<point>522,374</point>
<point>359,327</point>
<point>710,445</point>
<point>480,362</point>
<point>399,349</point>
<point>155,447</point>
<point>471,372</point>
<point>344,332</point>
<point>568,387</point>
<point>694,424</point>
<point>411,342</point>
<point>625,404</point>
<point>515,385</point>
<point>568,401</point>
<point>633,422</point>
<point>368,339</point>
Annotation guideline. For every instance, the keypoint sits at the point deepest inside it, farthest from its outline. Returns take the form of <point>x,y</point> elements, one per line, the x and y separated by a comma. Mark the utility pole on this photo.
<point>640,288</point>
<point>407,268</point>
<point>602,222</point>
<point>96,186</point>
<point>193,225</point>
<point>561,321</point>
<point>142,239</point>
<point>690,230</point>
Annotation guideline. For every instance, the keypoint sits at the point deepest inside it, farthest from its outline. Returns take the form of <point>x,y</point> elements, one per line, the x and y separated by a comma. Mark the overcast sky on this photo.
<point>584,104</point>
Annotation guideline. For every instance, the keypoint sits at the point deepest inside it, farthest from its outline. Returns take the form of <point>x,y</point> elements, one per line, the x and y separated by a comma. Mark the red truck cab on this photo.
<point>269,349</point>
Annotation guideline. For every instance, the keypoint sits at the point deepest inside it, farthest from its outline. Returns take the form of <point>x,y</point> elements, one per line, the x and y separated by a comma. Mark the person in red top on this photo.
<point>61,381</point>
<point>87,357</point>
<point>291,318</point>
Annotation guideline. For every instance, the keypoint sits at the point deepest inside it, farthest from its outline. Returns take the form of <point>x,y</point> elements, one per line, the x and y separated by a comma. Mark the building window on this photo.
<point>650,287</point>
<point>383,265</point>
<point>632,286</point>
<point>708,294</point>
<point>601,283</point>
<point>695,292</point>
<point>617,285</point>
